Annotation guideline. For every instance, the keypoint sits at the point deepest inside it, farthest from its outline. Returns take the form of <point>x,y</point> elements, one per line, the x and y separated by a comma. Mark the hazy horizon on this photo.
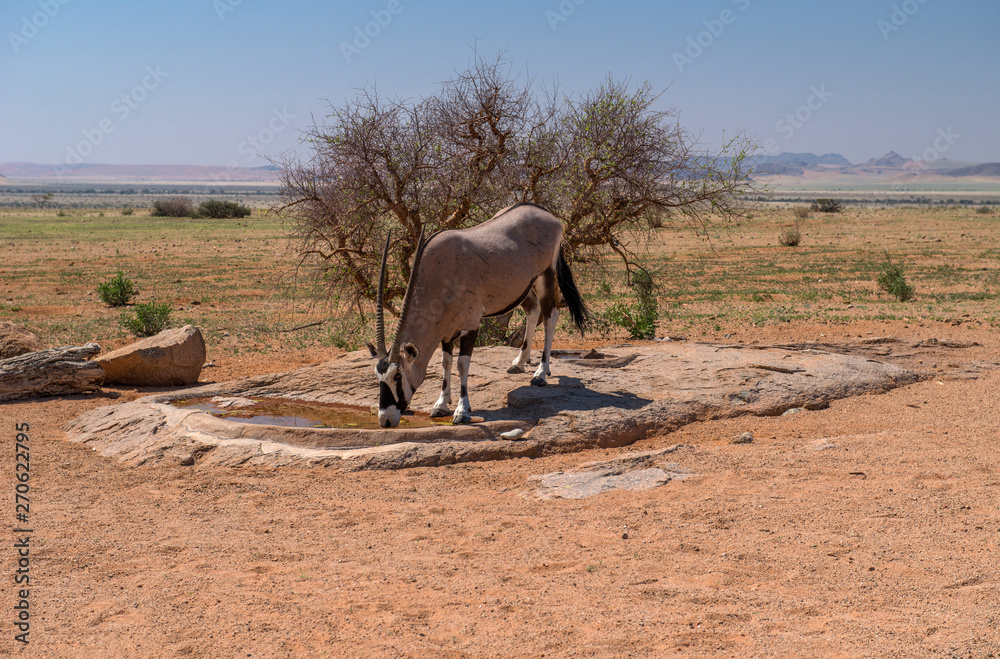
<point>226,82</point>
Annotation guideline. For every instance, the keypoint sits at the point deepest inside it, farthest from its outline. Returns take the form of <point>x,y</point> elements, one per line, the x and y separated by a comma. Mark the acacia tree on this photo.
<point>608,163</point>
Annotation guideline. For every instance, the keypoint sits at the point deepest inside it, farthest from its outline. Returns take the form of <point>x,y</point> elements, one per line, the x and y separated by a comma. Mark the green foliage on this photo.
<point>146,319</point>
<point>826,206</point>
<point>801,212</point>
<point>638,317</point>
<point>505,330</point>
<point>222,209</point>
<point>893,281</point>
<point>117,291</point>
<point>128,211</point>
<point>984,210</point>
<point>173,207</point>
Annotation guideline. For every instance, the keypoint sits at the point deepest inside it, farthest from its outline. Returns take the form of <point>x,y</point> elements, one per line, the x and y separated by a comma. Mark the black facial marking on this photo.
<point>385,398</point>
<point>401,401</point>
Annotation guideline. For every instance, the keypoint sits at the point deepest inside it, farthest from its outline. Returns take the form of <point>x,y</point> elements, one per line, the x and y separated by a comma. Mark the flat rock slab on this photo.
<point>632,393</point>
<point>633,472</point>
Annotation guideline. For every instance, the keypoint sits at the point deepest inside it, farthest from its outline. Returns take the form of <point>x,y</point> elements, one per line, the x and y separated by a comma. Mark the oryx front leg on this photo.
<point>538,379</point>
<point>463,413</point>
<point>532,309</point>
<point>443,405</point>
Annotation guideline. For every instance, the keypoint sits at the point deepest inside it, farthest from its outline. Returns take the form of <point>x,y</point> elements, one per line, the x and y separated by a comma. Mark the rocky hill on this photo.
<point>985,169</point>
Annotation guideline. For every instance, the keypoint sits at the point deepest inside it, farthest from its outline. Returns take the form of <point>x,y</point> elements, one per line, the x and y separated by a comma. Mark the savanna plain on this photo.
<point>866,529</point>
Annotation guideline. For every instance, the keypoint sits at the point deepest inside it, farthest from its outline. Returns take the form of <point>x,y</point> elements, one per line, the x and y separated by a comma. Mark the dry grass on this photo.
<point>236,278</point>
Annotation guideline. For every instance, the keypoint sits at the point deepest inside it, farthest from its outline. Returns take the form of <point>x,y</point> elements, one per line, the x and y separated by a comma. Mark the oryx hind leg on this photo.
<point>532,309</point>
<point>463,413</point>
<point>441,407</point>
<point>549,314</point>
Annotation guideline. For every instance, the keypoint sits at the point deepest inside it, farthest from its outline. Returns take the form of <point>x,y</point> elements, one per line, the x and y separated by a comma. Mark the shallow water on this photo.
<point>291,413</point>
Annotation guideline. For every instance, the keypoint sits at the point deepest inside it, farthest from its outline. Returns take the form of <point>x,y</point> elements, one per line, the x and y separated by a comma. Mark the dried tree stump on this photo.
<point>53,372</point>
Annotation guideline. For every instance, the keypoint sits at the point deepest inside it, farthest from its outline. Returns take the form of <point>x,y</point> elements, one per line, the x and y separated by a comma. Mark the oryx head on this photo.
<point>398,376</point>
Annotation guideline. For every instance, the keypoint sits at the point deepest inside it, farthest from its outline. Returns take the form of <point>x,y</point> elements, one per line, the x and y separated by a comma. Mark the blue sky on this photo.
<point>219,82</point>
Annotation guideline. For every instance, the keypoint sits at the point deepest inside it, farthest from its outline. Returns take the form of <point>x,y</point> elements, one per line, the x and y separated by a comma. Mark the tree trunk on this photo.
<point>54,372</point>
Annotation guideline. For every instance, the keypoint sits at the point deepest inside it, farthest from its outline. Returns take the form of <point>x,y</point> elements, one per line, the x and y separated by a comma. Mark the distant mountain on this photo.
<point>138,173</point>
<point>805,159</point>
<point>891,159</point>
<point>985,169</point>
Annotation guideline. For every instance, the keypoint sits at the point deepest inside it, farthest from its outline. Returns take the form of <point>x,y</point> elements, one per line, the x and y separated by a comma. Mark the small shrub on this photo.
<point>638,318</point>
<point>117,291</point>
<point>800,212</point>
<point>128,211</point>
<point>984,210</point>
<point>146,319</point>
<point>892,281</point>
<point>173,207</point>
<point>222,209</point>
<point>790,237</point>
<point>505,330</point>
<point>826,206</point>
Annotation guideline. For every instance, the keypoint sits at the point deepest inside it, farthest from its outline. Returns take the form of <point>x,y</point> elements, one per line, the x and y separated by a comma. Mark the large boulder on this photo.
<point>172,357</point>
<point>16,340</point>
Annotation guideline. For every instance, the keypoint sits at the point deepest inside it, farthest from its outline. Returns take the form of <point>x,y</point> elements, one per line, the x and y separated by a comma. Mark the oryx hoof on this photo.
<point>515,369</point>
<point>439,412</point>
<point>461,418</point>
<point>538,382</point>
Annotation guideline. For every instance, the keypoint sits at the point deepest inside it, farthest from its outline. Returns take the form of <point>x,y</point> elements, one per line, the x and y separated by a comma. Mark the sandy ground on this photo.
<point>864,530</point>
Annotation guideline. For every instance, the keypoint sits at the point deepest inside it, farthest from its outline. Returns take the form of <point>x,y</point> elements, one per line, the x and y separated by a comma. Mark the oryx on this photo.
<point>458,277</point>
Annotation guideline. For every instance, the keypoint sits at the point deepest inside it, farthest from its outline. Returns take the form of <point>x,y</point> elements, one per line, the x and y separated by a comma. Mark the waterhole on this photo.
<point>292,413</point>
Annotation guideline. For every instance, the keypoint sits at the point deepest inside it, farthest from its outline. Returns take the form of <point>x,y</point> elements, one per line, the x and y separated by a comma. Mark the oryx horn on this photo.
<point>380,298</point>
<point>410,285</point>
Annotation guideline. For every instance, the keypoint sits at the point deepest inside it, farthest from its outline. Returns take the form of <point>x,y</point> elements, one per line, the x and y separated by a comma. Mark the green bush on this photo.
<point>826,206</point>
<point>984,210</point>
<point>222,209</point>
<point>637,317</point>
<point>173,207</point>
<point>800,212</point>
<point>128,211</point>
<point>893,281</point>
<point>117,291</point>
<point>146,319</point>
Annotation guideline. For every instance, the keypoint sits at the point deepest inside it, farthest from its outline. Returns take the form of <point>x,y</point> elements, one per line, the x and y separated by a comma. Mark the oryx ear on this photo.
<point>371,349</point>
<point>411,351</point>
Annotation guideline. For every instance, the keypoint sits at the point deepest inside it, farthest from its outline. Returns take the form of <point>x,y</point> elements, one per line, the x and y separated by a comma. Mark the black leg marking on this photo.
<point>467,343</point>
